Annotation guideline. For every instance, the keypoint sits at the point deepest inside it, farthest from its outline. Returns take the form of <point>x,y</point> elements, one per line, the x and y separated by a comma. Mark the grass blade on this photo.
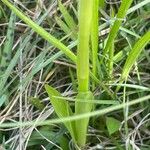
<point>118,20</point>
<point>77,117</point>
<point>134,53</point>
<point>7,50</point>
<point>68,19</point>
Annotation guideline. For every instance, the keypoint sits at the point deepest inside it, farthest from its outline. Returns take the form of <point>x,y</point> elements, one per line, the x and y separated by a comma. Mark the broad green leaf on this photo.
<point>134,53</point>
<point>112,124</point>
<point>47,132</point>
<point>81,107</point>
<point>61,107</point>
<point>64,143</point>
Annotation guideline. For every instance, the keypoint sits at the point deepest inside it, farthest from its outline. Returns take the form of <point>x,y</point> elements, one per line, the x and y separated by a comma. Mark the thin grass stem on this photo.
<point>85,18</point>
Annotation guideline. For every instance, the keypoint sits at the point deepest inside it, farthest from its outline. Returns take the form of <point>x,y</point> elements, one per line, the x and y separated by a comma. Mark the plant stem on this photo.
<point>94,37</point>
<point>85,18</point>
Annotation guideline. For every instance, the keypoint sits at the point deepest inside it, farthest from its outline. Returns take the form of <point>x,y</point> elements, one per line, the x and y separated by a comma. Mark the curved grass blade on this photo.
<point>118,20</point>
<point>77,117</point>
<point>68,19</point>
<point>133,55</point>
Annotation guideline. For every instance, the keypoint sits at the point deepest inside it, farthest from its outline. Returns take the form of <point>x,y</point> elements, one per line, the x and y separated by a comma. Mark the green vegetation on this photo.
<point>90,59</point>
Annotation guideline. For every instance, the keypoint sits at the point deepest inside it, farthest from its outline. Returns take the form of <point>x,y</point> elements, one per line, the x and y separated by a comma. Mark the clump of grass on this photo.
<point>7,52</point>
<point>76,117</point>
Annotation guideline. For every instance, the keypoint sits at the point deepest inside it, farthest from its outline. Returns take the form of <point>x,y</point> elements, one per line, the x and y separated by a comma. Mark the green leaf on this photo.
<point>67,17</point>
<point>81,107</point>
<point>8,45</point>
<point>117,24</point>
<point>61,107</point>
<point>112,125</point>
<point>134,53</point>
<point>65,28</point>
<point>62,24</point>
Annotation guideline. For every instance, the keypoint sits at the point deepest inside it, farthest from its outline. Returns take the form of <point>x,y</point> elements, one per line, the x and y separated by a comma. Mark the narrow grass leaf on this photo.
<point>132,86</point>
<point>62,25</point>
<point>129,32</point>
<point>65,28</point>
<point>67,17</point>
<point>77,117</point>
<point>7,50</point>
<point>139,5</point>
<point>95,102</point>
<point>121,54</point>
<point>133,55</point>
<point>118,20</point>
